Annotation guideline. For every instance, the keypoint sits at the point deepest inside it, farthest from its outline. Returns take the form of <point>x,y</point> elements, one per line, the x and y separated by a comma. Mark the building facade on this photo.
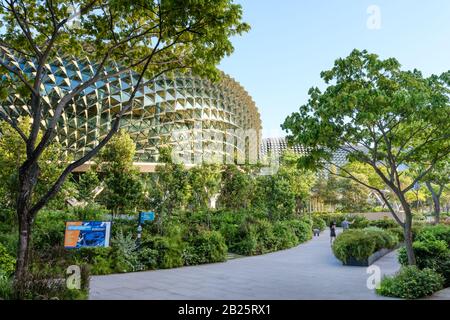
<point>198,118</point>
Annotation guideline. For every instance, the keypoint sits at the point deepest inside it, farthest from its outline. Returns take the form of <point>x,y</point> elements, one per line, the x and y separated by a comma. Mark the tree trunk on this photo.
<point>407,231</point>
<point>436,202</point>
<point>28,175</point>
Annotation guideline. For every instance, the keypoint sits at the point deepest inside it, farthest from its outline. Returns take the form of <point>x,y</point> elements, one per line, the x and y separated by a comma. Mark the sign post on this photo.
<point>143,217</point>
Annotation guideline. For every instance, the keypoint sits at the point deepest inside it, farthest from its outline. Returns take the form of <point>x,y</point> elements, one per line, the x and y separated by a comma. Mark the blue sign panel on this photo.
<point>146,216</point>
<point>87,234</point>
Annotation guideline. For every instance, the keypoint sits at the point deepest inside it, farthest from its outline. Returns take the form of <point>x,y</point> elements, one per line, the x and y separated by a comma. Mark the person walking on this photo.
<point>346,224</point>
<point>332,232</point>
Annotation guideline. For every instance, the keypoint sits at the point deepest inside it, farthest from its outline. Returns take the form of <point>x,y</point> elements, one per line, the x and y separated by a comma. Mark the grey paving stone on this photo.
<point>309,271</point>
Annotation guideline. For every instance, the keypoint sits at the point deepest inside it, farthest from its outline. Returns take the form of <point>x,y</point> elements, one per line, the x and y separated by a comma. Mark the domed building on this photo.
<point>197,117</point>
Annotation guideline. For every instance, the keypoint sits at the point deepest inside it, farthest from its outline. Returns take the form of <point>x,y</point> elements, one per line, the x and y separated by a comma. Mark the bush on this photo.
<point>330,217</point>
<point>432,254</point>
<point>205,247</point>
<point>384,223</point>
<point>6,287</point>
<point>358,222</point>
<point>383,238</point>
<point>318,223</point>
<point>148,258</point>
<point>248,235</point>
<point>7,262</point>
<point>285,235</point>
<point>355,244</point>
<point>411,283</point>
<point>169,250</point>
<point>302,229</point>
<point>49,230</point>
<point>438,232</point>
<point>125,253</point>
<point>360,244</point>
<point>92,211</point>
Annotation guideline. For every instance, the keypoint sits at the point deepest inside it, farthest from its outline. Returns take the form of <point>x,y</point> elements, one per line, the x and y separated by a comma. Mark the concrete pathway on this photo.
<point>441,295</point>
<point>309,271</point>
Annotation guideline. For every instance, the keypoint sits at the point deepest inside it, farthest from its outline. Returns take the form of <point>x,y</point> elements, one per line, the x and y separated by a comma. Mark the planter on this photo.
<point>371,259</point>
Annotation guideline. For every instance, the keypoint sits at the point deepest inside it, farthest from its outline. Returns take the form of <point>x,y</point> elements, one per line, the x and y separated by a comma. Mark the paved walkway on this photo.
<point>309,271</point>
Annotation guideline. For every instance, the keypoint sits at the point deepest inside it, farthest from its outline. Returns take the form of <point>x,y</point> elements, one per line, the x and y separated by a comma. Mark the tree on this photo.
<point>381,116</point>
<point>168,188</point>
<point>237,188</point>
<point>87,184</point>
<point>150,37</point>
<point>12,154</point>
<point>301,181</point>
<point>124,189</point>
<point>436,182</point>
<point>205,184</point>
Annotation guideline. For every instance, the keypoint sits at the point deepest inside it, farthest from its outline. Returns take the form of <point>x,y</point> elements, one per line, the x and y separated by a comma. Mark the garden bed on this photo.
<point>370,260</point>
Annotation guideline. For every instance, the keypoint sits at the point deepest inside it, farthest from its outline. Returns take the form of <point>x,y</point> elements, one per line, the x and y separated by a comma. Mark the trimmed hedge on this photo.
<point>411,283</point>
<point>360,244</point>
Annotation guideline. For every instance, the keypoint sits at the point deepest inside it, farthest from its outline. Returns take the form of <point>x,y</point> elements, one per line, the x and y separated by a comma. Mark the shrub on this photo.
<point>302,229</point>
<point>330,217</point>
<point>6,287</point>
<point>7,262</point>
<point>318,223</point>
<point>92,211</point>
<point>49,230</point>
<point>355,244</point>
<point>383,238</point>
<point>360,244</point>
<point>266,239</point>
<point>205,247</point>
<point>148,258</point>
<point>125,253</point>
<point>285,235</point>
<point>169,250</point>
<point>384,223</point>
<point>358,222</point>
<point>432,254</point>
<point>438,232</point>
<point>411,283</point>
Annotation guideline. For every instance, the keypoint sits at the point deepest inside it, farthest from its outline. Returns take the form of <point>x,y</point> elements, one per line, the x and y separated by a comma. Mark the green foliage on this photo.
<point>384,223</point>
<point>411,283</point>
<point>318,223</point>
<point>7,262</point>
<point>205,246</point>
<point>431,252</point>
<point>86,185</point>
<point>125,254</point>
<point>92,211</point>
<point>285,234</point>
<point>237,189</point>
<point>169,189</point>
<point>6,287</point>
<point>330,217</point>
<point>357,221</point>
<point>438,232</point>
<point>368,107</point>
<point>49,230</point>
<point>124,190</point>
<point>13,154</point>
<point>362,243</point>
<point>205,183</point>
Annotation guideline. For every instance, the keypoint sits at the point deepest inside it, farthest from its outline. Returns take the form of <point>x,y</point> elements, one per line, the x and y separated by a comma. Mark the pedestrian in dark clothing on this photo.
<point>332,232</point>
